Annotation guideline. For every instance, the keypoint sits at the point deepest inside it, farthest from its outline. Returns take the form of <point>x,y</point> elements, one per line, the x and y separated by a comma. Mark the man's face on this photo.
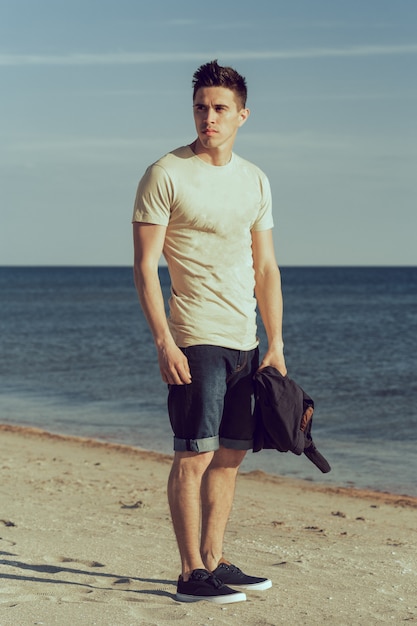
<point>217,117</point>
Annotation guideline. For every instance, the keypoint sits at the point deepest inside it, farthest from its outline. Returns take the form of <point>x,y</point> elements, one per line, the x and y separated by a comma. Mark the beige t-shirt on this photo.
<point>209,212</point>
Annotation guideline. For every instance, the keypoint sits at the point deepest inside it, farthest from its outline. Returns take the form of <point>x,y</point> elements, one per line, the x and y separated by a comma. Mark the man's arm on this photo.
<point>269,297</point>
<point>148,240</point>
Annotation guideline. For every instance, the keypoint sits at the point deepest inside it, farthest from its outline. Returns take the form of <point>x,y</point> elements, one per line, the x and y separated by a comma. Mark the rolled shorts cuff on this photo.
<point>236,444</point>
<point>207,444</point>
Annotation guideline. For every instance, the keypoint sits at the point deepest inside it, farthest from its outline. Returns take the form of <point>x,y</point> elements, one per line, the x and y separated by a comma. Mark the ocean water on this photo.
<point>76,357</point>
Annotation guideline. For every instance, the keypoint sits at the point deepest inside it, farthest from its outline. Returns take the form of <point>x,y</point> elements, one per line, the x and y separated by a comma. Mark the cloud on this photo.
<point>136,58</point>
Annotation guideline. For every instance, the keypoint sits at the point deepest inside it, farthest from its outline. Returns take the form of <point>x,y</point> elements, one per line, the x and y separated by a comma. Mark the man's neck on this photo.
<point>215,157</point>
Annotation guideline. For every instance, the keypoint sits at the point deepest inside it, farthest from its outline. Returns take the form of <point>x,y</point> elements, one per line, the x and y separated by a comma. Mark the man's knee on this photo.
<point>191,463</point>
<point>228,458</point>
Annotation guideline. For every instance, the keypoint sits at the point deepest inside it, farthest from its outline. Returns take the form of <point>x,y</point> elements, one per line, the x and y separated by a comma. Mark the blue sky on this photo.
<point>92,91</point>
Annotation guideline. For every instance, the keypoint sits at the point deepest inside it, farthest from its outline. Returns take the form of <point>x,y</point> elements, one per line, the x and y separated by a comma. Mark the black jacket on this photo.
<point>284,419</point>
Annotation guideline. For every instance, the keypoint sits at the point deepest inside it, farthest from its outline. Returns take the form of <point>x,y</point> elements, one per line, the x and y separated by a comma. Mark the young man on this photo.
<point>209,212</point>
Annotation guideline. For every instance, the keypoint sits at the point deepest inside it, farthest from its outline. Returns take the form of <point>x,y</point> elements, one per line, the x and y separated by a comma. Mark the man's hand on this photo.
<point>173,365</point>
<point>275,358</point>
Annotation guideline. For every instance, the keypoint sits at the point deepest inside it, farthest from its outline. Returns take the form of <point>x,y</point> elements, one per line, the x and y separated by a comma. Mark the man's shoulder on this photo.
<point>174,157</point>
<point>249,166</point>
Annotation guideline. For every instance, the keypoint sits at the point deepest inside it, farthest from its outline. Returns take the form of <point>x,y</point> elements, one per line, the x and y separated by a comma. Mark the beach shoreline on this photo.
<point>86,539</point>
<point>351,491</point>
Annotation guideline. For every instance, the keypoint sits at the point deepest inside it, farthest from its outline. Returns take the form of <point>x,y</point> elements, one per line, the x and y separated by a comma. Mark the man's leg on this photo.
<point>217,493</point>
<point>184,487</point>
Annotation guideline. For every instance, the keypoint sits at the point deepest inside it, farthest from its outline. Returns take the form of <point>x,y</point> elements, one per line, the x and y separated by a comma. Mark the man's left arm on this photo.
<point>269,297</point>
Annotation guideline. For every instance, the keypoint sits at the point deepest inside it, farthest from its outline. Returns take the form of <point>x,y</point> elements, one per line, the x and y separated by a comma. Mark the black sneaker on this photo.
<point>231,575</point>
<point>204,586</point>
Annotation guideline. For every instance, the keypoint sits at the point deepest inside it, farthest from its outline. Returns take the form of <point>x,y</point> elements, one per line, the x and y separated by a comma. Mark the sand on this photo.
<point>86,538</point>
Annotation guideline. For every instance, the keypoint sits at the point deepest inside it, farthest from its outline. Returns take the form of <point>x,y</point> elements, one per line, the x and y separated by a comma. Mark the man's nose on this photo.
<point>210,114</point>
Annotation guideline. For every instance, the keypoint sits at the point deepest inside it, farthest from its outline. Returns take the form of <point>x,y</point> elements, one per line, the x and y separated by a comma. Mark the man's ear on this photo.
<point>243,114</point>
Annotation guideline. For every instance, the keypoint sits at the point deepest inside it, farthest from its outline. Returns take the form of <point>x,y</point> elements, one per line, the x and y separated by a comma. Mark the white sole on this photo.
<point>266,584</point>
<point>233,597</point>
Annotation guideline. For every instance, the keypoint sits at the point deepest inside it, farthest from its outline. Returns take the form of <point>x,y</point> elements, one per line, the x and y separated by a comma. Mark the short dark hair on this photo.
<point>214,75</point>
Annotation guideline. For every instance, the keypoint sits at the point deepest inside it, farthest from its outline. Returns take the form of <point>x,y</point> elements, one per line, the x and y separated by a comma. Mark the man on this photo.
<point>209,212</point>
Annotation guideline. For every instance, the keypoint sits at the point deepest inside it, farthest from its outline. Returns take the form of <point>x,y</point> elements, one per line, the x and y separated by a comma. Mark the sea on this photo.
<point>77,358</point>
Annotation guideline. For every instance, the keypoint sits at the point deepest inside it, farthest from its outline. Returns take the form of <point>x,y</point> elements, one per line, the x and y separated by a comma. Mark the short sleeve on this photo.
<point>153,197</point>
<point>264,220</point>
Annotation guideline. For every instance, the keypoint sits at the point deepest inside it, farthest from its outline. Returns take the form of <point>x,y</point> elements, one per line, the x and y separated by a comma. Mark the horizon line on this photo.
<point>163,265</point>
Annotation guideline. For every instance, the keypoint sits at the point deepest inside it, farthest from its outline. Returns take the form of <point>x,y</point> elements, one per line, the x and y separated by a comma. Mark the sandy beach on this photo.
<point>86,539</point>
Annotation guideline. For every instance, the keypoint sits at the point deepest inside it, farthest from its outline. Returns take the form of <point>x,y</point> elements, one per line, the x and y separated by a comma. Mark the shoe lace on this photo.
<point>211,579</point>
<point>216,582</point>
<point>232,568</point>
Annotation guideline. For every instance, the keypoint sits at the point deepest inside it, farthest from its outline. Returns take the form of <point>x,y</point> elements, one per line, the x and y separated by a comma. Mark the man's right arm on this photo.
<point>148,242</point>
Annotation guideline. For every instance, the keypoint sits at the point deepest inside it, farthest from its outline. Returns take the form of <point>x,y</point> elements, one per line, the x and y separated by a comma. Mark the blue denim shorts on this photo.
<point>216,408</point>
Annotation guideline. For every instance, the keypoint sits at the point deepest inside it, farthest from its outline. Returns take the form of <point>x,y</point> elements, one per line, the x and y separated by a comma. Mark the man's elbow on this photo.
<point>267,272</point>
<point>144,271</point>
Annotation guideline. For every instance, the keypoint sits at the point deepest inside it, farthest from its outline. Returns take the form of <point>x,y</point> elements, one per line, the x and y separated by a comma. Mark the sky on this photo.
<point>93,91</point>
